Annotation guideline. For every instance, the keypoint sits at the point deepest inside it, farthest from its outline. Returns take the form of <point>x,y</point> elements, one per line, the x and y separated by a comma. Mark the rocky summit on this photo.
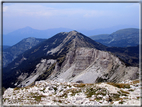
<point>39,62</point>
<point>72,59</point>
<point>55,93</point>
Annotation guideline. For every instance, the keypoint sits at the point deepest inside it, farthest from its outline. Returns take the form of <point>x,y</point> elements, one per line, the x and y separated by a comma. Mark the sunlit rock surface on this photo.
<point>89,65</point>
<point>66,93</point>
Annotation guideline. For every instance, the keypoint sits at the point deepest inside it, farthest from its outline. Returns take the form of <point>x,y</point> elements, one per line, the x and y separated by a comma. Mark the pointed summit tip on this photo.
<point>28,27</point>
<point>74,32</point>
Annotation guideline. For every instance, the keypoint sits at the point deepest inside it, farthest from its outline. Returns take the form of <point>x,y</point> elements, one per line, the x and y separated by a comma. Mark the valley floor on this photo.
<point>65,93</point>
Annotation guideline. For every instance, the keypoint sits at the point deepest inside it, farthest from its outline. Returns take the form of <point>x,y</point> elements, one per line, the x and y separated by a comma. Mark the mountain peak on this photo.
<point>74,32</point>
<point>28,27</point>
<point>71,33</point>
<point>70,56</point>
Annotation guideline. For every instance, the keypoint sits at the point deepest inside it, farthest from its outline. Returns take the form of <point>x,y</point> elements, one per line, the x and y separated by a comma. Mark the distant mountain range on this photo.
<point>73,57</point>
<point>10,53</point>
<point>121,38</point>
<point>17,35</point>
<point>108,30</point>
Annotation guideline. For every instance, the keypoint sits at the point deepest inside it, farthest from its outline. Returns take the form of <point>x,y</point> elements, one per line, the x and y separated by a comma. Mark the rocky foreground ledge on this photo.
<point>65,93</point>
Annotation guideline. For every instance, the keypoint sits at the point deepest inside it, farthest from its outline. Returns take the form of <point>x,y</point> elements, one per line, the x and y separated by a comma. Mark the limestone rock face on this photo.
<point>26,80</point>
<point>89,65</point>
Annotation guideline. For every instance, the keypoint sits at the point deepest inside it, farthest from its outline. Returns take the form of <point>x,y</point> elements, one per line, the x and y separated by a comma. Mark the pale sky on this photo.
<point>69,15</point>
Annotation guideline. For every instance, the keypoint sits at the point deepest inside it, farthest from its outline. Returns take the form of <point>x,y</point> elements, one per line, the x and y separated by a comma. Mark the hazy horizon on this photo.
<point>119,27</point>
<point>79,16</point>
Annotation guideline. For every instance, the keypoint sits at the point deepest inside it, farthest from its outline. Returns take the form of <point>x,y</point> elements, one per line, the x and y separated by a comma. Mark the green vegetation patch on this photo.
<point>138,97</point>
<point>136,81</point>
<point>75,92</point>
<point>36,96</point>
<point>95,91</point>
<point>46,73</point>
<point>119,85</point>
<point>121,101</point>
<point>115,97</point>
<point>79,85</point>
<point>130,90</point>
<point>72,91</point>
<point>55,88</point>
<point>124,92</point>
<point>16,88</point>
<point>90,92</point>
<point>61,59</point>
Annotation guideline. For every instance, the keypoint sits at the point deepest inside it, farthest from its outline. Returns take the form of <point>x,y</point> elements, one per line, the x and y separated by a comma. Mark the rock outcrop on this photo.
<point>89,65</point>
<point>55,93</point>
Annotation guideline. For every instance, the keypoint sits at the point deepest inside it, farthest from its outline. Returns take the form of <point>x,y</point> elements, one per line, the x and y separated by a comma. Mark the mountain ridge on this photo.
<point>13,37</point>
<point>60,53</point>
<point>12,52</point>
<point>121,38</point>
<point>9,39</point>
<point>39,52</point>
